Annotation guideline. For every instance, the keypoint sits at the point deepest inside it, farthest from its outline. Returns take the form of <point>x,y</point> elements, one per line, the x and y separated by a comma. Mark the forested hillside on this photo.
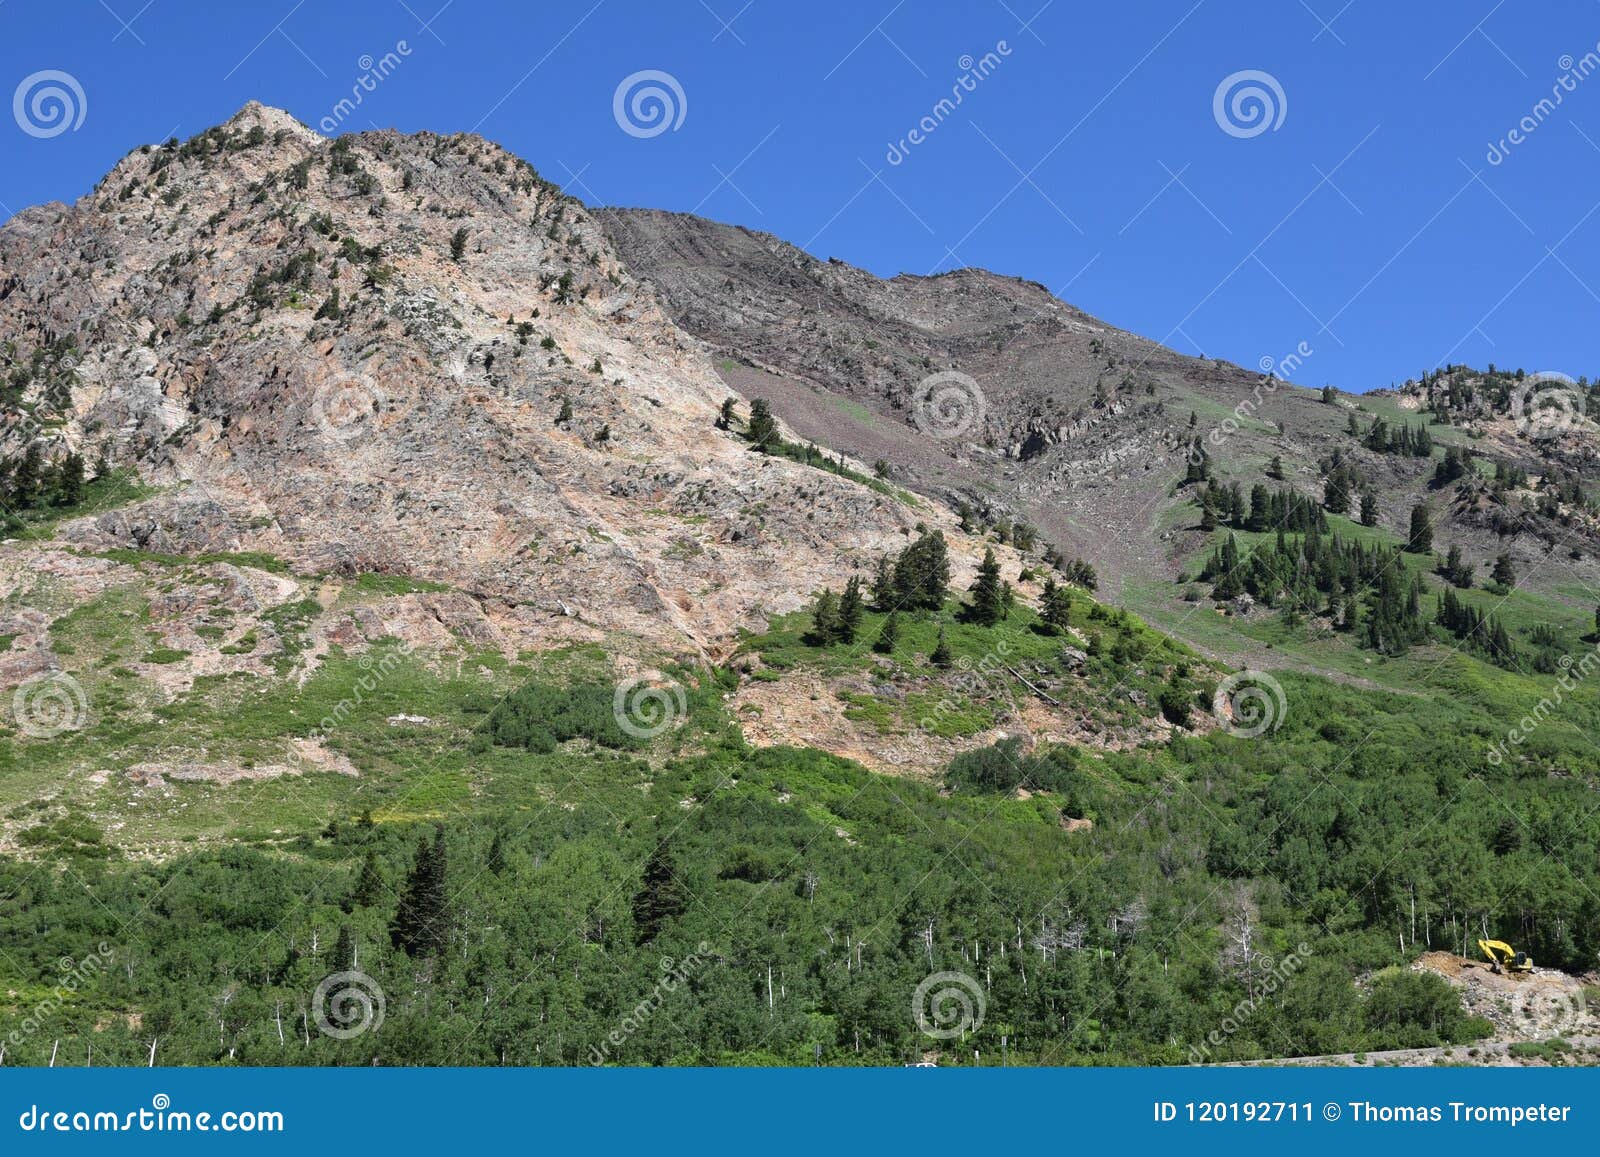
<point>797,901</point>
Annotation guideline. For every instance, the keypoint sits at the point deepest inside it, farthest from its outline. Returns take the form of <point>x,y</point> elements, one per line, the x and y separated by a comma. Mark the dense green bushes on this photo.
<point>1368,822</point>
<point>540,716</point>
<point>1002,767</point>
<point>803,900</point>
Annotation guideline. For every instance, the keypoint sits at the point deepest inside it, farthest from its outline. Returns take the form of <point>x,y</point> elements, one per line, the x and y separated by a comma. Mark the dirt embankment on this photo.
<point>1545,1017</point>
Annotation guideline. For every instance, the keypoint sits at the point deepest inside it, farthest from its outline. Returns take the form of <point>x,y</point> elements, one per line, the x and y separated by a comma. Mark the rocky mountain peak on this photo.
<point>411,354</point>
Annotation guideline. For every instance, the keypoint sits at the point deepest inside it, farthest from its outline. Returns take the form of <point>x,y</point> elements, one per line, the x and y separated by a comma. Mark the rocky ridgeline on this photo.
<point>411,355</point>
<point>1068,422</point>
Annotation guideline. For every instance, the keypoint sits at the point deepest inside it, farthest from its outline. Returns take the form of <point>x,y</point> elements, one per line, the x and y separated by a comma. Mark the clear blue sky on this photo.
<point>1368,223</point>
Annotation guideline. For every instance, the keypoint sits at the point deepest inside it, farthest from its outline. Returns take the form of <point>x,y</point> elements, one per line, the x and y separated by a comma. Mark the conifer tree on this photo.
<point>421,925</point>
<point>661,896</point>
<point>1336,492</point>
<point>762,428</point>
<point>1369,509</point>
<point>329,310</point>
<point>1056,607</point>
<point>1236,512</point>
<point>890,634</point>
<point>941,656</point>
<point>922,573</point>
<point>1420,540</point>
<point>344,950</point>
<point>369,887</point>
<point>1351,622</point>
<point>69,481</point>
<point>851,608</point>
<point>824,620</point>
<point>985,610</point>
<point>883,593</point>
<point>1260,507</point>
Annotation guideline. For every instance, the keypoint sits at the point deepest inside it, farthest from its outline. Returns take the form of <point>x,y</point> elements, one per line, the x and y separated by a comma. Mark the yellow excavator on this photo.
<point>1504,958</point>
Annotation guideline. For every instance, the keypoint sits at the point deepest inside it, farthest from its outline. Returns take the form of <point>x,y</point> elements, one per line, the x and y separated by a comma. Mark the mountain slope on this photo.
<point>274,330</point>
<point>988,390</point>
<point>363,429</point>
<point>396,598</point>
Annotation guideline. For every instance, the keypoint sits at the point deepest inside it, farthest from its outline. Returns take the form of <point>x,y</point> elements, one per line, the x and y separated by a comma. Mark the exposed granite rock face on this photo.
<point>411,355</point>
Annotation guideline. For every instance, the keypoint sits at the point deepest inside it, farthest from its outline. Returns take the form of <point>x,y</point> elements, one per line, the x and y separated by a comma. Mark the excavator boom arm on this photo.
<point>1503,956</point>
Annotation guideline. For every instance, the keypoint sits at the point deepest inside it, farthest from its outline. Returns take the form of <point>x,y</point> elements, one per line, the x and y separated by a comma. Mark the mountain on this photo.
<point>279,335</point>
<point>435,613</point>
<point>990,391</point>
